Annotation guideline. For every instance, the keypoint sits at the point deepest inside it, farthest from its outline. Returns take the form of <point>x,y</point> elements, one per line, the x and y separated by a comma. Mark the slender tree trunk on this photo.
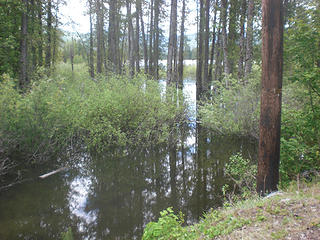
<point>145,47</point>
<point>23,81</point>
<point>224,10</point>
<point>213,41</point>
<point>270,116</point>
<point>130,39</point>
<point>200,57</point>
<point>249,47</point>
<point>151,36</point>
<point>55,38</point>
<point>242,38</point>
<point>99,35</point>
<point>137,37</point>
<point>181,46</point>
<point>218,67</point>
<point>49,32</point>
<point>33,33</point>
<point>205,78</point>
<point>91,61</point>
<point>156,54</point>
<point>40,40</point>
<point>113,38</point>
<point>232,36</point>
<point>172,44</point>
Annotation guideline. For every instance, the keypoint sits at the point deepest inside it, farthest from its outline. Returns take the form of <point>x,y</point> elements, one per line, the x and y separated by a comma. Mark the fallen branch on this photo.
<point>52,173</point>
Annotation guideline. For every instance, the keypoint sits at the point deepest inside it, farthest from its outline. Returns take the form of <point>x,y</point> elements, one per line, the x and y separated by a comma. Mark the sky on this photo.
<point>73,17</point>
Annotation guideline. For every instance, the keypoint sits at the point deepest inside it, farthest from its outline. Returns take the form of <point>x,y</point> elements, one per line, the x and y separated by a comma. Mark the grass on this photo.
<point>291,214</point>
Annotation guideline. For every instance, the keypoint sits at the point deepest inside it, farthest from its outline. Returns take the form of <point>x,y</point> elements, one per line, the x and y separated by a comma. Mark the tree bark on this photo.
<point>205,79</point>
<point>40,41</point>
<point>137,37</point>
<point>156,39</point>
<point>151,36</point>
<point>212,52</point>
<point>270,116</point>
<point>113,38</point>
<point>99,30</point>
<point>200,54</point>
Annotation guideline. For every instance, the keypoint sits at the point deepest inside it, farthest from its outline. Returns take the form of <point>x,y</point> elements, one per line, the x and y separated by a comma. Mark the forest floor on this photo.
<point>292,214</point>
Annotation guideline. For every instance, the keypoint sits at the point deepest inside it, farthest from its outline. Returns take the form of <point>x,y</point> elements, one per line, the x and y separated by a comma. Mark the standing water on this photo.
<point>114,197</point>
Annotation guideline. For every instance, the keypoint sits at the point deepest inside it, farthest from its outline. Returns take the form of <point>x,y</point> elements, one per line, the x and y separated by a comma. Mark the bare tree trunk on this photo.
<point>200,53</point>
<point>213,41</point>
<point>270,116</point>
<point>91,63</point>
<point>249,48</point>
<point>172,48</point>
<point>156,39</point>
<point>205,79</point>
<point>151,36</point>
<point>113,38</point>
<point>145,47</point>
<point>241,41</point>
<point>137,38</point>
<point>99,30</point>
<point>23,81</point>
<point>40,41</point>
<point>49,32</point>
<point>226,63</point>
<point>130,39</point>
<point>181,46</point>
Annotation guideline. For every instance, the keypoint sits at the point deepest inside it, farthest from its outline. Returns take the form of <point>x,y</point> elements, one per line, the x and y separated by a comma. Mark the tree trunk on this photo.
<point>270,116</point>
<point>55,38</point>
<point>130,39</point>
<point>113,38</point>
<point>156,39</point>
<point>226,63</point>
<point>172,48</point>
<point>213,41</point>
<point>241,41</point>
<point>151,36</point>
<point>137,37</point>
<point>40,41</point>
<point>205,79</point>
<point>49,32</point>
<point>200,53</point>
<point>99,35</point>
<point>91,63</point>
<point>23,81</point>
<point>181,46</point>
<point>249,50</point>
<point>145,47</point>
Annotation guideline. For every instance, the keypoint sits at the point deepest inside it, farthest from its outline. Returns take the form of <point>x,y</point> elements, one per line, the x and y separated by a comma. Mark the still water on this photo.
<point>114,196</point>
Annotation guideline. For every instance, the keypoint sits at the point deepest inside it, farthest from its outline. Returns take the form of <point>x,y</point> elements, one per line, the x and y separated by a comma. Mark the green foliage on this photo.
<point>67,235</point>
<point>167,227</point>
<point>242,172</point>
<point>234,108</point>
<point>70,108</point>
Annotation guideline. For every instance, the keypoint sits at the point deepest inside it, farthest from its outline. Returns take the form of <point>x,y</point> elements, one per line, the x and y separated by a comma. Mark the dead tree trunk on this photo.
<point>270,116</point>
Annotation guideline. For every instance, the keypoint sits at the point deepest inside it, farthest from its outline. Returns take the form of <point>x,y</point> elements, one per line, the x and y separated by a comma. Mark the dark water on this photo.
<point>114,196</point>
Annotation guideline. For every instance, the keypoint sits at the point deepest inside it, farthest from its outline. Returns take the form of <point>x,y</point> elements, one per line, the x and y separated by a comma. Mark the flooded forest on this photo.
<point>112,111</point>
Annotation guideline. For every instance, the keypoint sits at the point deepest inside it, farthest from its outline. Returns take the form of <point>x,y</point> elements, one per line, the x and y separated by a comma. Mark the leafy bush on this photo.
<point>242,172</point>
<point>234,109</point>
<point>70,108</point>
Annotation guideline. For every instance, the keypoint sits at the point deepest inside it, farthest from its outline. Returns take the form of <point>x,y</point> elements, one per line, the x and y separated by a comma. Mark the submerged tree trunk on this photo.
<point>270,116</point>
<point>23,81</point>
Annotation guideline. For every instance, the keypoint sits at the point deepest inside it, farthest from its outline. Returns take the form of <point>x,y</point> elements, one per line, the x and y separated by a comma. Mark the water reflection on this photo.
<point>113,196</point>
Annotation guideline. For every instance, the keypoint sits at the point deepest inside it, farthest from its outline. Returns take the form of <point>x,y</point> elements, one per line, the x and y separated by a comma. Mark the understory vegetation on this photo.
<point>291,213</point>
<point>70,110</point>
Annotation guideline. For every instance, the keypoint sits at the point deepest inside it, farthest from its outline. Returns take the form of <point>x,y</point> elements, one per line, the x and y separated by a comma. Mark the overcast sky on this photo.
<point>73,17</point>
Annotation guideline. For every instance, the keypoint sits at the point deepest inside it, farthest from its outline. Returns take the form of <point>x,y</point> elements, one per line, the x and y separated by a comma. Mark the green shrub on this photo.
<point>70,108</point>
